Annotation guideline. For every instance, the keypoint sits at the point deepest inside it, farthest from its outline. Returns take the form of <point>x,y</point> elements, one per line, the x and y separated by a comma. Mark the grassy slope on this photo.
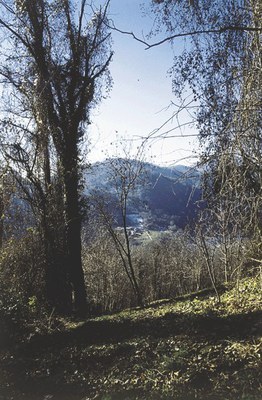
<point>187,349</point>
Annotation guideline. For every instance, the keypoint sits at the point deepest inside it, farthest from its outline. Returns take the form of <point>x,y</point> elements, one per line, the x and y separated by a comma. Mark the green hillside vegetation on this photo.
<point>186,348</point>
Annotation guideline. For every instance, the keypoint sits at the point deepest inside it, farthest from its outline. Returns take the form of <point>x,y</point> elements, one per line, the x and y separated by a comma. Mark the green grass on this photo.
<point>191,348</point>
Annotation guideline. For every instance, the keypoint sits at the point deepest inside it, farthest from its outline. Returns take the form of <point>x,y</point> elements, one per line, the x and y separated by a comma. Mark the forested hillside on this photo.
<point>163,197</point>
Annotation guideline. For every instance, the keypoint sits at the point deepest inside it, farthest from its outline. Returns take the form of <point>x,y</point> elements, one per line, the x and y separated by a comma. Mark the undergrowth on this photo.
<point>194,348</point>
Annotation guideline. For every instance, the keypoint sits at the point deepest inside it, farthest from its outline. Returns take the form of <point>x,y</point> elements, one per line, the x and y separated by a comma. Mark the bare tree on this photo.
<point>221,64</point>
<point>53,60</point>
<point>125,175</point>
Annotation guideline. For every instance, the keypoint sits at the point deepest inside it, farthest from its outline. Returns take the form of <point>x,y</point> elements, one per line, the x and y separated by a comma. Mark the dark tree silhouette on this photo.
<point>53,58</point>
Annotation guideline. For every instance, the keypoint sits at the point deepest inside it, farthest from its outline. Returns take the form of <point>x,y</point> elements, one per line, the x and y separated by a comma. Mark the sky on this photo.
<point>140,98</point>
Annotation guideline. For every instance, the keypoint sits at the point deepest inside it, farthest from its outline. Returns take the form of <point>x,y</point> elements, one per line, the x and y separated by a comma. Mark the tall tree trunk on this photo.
<point>57,288</point>
<point>73,230</point>
<point>1,219</point>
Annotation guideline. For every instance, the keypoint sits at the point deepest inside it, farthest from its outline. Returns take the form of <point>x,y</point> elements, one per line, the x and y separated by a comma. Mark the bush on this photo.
<point>108,287</point>
<point>22,270</point>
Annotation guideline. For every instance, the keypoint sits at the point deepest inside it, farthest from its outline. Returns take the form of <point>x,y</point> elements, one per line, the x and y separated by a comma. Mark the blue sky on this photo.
<point>141,93</point>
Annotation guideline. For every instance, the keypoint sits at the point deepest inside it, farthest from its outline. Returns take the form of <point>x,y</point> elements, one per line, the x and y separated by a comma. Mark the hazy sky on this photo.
<point>141,93</point>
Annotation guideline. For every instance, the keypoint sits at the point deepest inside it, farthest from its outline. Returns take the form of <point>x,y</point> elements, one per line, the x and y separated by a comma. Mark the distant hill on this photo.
<point>164,198</point>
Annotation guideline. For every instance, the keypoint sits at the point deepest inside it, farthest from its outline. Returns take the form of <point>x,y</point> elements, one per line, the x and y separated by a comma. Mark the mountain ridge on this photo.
<point>163,197</point>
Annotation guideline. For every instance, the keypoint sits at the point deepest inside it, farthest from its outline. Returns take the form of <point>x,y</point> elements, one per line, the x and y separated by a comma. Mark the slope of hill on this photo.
<point>180,349</point>
<point>162,197</point>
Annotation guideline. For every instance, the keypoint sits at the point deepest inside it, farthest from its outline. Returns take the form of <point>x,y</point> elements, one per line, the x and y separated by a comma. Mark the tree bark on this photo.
<point>73,263</point>
<point>1,219</point>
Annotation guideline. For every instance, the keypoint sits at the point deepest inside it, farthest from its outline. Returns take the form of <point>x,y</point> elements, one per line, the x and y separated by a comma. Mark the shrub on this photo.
<point>22,270</point>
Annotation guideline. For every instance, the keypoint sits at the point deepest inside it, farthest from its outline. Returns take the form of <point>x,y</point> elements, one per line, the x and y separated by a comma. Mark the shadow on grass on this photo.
<point>110,331</point>
<point>43,350</point>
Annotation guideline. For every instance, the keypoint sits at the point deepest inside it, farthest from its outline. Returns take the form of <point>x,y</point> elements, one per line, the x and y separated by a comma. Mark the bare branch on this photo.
<point>185,34</point>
